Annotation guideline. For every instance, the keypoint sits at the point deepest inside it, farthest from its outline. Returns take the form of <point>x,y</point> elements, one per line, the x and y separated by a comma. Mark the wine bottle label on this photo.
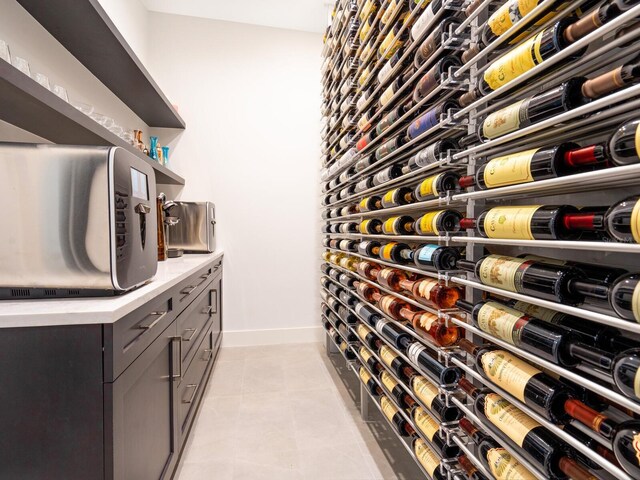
<point>385,71</point>
<point>423,20</point>
<point>364,375</point>
<point>364,76</point>
<point>388,120</point>
<point>364,226</point>
<point>425,423</point>
<point>635,303</point>
<point>361,101</point>
<point>390,226</point>
<point>386,303</point>
<point>426,84</point>
<point>414,351</point>
<point>500,321</point>
<point>509,169</point>
<point>380,324</point>
<point>365,29</point>
<point>542,313</point>
<point>388,381</point>
<point>387,95</point>
<point>501,272</point>
<point>510,222</point>
<point>425,254</point>
<point>362,331</point>
<point>343,346</point>
<point>426,456</point>
<point>368,8</point>
<point>505,120</point>
<point>504,467</point>
<point>424,390</point>
<point>508,372</point>
<point>637,140</point>
<point>363,122</point>
<point>635,223</point>
<point>426,320</point>
<point>388,408</point>
<point>426,286</point>
<point>365,354</point>
<point>514,63</point>
<point>387,355</point>
<point>389,12</point>
<point>508,418</point>
<point>388,197</point>
<point>503,19</point>
<point>389,46</point>
<point>429,223</point>
<point>385,253</point>
<point>423,123</point>
<point>429,186</point>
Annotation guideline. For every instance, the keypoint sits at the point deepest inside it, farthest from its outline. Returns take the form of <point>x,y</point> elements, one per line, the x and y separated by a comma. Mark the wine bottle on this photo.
<point>346,316</point>
<point>371,203</point>
<point>397,197</point>
<point>369,383</point>
<point>577,91</point>
<point>493,456</point>
<point>364,124</point>
<point>545,340</point>
<point>385,72</point>
<point>392,117</point>
<point>369,248</point>
<point>394,40</point>
<point>470,470</point>
<point>349,263</point>
<point>434,40</point>
<point>541,447</point>
<point>371,226</point>
<point>368,9</point>
<point>425,358</point>
<point>436,258</point>
<point>365,140</point>
<point>388,148</point>
<point>367,336</point>
<point>561,284</point>
<point>392,360</point>
<point>347,351</point>
<point>538,222</point>
<point>348,227</point>
<point>396,86</point>
<point>521,59</point>
<point>429,155</point>
<point>366,313</point>
<point>429,326</point>
<point>437,186</point>
<point>430,396</point>
<point>626,446</point>
<point>433,77</point>
<point>624,145</point>
<point>402,225</point>
<point>604,14</point>
<point>396,252</point>
<point>537,164</point>
<point>429,459</point>
<point>430,119</point>
<point>346,333</point>
<point>387,174</point>
<point>430,428</point>
<point>347,298</point>
<point>393,387</point>
<point>364,184</point>
<point>439,222</point>
<point>591,443</point>
<point>425,19</point>
<point>624,297</point>
<point>393,334</point>
<point>531,386</point>
<point>394,416</point>
<point>425,290</point>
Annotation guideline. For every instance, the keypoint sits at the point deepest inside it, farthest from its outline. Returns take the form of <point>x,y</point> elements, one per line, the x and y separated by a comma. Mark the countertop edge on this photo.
<point>98,311</point>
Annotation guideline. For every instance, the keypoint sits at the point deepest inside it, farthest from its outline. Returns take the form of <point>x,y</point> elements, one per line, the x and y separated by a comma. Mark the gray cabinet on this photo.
<point>112,401</point>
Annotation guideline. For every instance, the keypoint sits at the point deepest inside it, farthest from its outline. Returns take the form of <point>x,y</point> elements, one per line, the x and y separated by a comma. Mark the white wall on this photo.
<point>132,19</point>
<point>250,98</point>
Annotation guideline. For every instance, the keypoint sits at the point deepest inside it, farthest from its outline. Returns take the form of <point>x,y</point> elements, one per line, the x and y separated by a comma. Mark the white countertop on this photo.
<point>91,311</point>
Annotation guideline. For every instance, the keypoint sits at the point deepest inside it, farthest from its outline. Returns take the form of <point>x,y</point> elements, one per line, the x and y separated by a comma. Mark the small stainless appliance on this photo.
<point>195,231</point>
<point>77,221</point>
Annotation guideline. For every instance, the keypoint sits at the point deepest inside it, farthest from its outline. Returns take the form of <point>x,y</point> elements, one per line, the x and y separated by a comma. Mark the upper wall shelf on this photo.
<point>28,105</point>
<point>84,28</point>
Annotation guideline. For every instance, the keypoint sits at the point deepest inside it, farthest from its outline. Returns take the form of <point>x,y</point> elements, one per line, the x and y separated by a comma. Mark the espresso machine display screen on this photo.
<point>139,187</point>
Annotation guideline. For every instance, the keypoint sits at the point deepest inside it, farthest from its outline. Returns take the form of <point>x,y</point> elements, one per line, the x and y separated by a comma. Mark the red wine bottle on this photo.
<point>522,222</point>
<point>369,383</point>
<point>439,222</point>
<point>397,197</point>
<point>430,119</point>
<point>401,225</point>
<point>395,252</point>
<point>371,203</point>
<point>431,397</point>
<point>429,155</point>
<point>436,258</point>
<point>392,117</point>
<point>437,186</point>
<point>369,248</point>
<point>434,76</point>
<point>371,226</point>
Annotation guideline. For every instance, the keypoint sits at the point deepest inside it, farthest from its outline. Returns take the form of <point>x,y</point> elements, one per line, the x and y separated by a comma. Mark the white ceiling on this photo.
<point>305,15</point>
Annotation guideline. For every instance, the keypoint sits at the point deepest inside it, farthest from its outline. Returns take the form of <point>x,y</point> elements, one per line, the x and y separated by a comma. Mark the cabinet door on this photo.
<point>144,442</point>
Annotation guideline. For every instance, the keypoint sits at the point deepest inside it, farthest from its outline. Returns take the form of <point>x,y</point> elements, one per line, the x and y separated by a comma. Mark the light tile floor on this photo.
<point>281,412</point>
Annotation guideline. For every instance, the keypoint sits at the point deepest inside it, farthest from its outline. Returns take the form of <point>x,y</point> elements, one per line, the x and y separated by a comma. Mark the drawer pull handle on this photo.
<point>148,326</point>
<point>193,334</point>
<point>189,290</point>
<point>178,340</point>
<point>210,356</point>
<point>205,276</point>
<point>193,395</point>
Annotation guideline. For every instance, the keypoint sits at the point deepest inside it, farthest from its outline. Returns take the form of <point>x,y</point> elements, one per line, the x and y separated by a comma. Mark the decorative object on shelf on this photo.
<point>153,148</point>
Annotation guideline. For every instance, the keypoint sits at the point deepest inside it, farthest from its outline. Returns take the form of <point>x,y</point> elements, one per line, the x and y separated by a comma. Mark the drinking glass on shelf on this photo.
<point>21,64</point>
<point>83,107</point>
<point>42,80</point>
<point>60,92</point>
<point>4,51</point>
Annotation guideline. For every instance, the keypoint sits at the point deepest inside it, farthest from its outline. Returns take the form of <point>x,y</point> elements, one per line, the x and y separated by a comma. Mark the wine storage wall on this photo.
<point>481,225</point>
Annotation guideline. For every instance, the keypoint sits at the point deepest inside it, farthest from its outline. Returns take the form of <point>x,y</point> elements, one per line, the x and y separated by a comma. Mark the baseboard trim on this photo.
<point>276,336</point>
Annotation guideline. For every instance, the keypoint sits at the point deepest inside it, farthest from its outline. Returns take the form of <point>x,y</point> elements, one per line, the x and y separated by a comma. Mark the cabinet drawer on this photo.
<point>192,287</point>
<point>192,323</point>
<point>192,386</point>
<point>127,338</point>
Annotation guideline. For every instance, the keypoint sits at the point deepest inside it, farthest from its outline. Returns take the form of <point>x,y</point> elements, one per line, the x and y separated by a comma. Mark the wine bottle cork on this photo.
<point>468,98</point>
<point>603,84</point>
<point>582,27</point>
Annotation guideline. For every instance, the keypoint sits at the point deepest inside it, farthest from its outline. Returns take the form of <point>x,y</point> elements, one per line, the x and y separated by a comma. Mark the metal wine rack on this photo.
<point>607,47</point>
